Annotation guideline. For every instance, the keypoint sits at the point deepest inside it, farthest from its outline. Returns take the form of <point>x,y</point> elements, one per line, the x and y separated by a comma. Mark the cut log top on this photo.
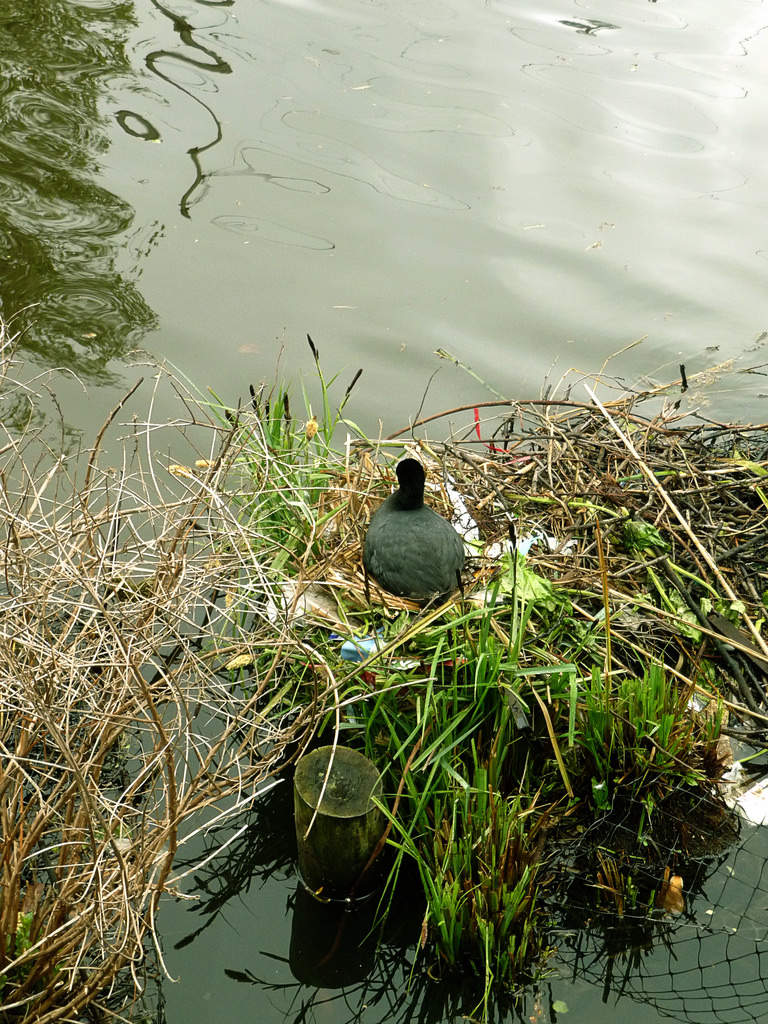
<point>351,786</point>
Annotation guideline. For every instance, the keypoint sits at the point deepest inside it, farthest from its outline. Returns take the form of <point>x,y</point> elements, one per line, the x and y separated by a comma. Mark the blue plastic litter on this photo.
<point>358,648</point>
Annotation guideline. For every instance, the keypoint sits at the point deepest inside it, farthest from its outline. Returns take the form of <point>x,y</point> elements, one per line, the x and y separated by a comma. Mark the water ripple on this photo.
<point>643,115</point>
<point>269,231</point>
<point>61,232</point>
<point>36,122</point>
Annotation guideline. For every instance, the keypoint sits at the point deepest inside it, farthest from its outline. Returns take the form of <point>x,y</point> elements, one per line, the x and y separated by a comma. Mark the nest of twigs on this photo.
<point>656,534</point>
<point>656,531</point>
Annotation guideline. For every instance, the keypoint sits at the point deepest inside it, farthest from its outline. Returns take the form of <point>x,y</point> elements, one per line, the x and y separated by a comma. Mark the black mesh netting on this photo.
<point>705,963</point>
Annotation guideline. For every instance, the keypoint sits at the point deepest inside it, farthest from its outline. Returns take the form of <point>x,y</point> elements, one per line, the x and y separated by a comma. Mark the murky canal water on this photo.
<point>237,949</point>
<point>531,187</point>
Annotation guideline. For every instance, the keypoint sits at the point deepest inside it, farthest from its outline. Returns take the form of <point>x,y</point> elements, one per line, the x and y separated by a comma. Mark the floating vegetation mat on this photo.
<point>649,538</point>
<point>183,610</point>
<point>567,712</point>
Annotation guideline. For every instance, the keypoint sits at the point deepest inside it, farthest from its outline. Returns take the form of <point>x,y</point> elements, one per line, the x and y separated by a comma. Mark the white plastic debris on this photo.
<point>749,799</point>
<point>524,545</point>
<point>462,518</point>
<point>286,605</point>
<point>494,551</point>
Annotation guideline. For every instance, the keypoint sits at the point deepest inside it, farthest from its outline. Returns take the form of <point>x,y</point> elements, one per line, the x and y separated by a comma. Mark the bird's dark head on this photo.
<point>410,476</point>
<point>410,471</point>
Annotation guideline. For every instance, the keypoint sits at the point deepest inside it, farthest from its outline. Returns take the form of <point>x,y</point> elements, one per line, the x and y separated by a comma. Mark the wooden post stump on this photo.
<point>348,824</point>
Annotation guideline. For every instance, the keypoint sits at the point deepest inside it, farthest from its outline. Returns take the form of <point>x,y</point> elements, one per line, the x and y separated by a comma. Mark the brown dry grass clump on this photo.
<point>121,734</point>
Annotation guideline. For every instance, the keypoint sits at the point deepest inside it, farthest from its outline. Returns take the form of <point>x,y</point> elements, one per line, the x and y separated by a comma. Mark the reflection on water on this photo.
<point>247,942</point>
<point>178,68</point>
<point>61,232</point>
<point>518,183</point>
<point>257,942</point>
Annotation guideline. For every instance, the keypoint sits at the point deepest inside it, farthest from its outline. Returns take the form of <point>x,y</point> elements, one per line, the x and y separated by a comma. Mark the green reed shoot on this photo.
<point>644,741</point>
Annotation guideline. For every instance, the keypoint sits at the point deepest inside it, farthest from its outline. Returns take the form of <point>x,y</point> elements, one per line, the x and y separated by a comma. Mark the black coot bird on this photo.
<point>409,549</point>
